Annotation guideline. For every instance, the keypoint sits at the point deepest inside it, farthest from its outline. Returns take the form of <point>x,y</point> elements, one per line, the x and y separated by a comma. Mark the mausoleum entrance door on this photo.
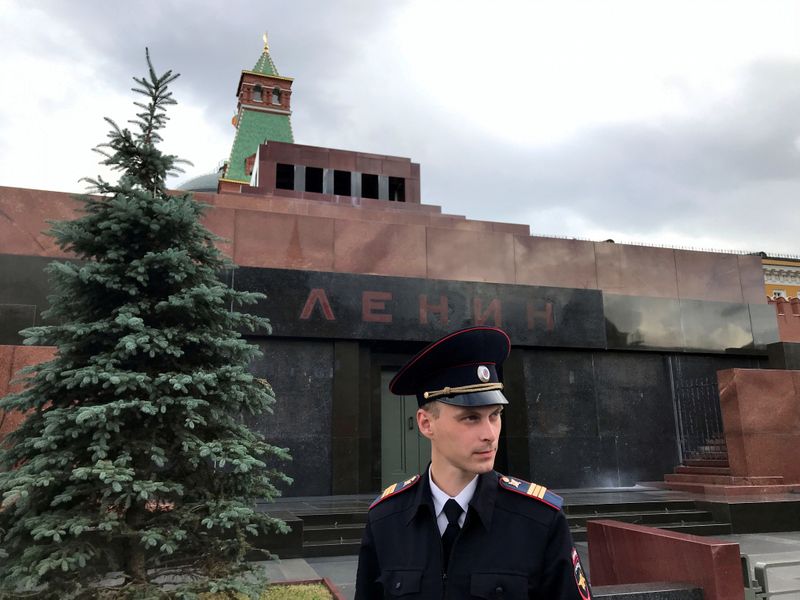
<point>404,452</point>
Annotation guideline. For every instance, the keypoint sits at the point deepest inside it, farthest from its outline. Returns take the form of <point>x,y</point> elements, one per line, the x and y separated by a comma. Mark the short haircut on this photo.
<point>432,408</point>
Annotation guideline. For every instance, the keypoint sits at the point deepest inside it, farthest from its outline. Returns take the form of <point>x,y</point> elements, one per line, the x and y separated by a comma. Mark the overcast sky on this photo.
<point>660,122</point>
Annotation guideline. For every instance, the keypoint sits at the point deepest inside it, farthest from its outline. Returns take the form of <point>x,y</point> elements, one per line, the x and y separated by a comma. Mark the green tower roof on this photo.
<point>265,66</point>
<point>254,126</point>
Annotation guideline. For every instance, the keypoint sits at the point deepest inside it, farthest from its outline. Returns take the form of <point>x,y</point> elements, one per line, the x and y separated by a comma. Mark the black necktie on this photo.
<point>452,511</point>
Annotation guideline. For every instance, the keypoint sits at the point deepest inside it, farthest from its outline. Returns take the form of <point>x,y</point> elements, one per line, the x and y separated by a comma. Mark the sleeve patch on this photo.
<point>532,490</point>
<point>580,577</point>
<point>395,489</point>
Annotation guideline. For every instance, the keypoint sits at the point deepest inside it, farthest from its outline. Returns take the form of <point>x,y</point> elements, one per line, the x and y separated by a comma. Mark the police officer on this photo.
<point>461,530</point>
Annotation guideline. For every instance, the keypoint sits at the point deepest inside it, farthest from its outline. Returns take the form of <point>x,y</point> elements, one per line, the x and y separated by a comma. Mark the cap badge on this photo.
<point>484,374</point>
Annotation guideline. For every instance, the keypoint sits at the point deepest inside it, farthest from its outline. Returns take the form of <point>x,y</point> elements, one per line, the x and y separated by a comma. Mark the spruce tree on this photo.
<point>134,459</point>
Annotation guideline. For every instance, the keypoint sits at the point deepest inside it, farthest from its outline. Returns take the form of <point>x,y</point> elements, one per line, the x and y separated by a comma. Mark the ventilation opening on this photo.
<point>284,177</point>
<point>341,183</point>
<point>397,189</point>
<point>314,179</point>
<point>369,186</point>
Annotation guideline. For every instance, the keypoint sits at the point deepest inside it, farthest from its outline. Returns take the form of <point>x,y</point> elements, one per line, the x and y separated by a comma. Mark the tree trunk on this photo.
<point>135,567</point>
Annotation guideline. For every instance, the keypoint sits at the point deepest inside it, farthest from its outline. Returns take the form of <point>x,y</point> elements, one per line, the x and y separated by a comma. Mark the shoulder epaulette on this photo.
<point>394,489</point>
<point>532,490</point>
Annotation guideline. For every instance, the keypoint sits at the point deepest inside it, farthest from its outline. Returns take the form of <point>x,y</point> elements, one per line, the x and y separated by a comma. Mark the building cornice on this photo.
<point>257,74</point>
<point>267,109</point>
<point>781,274</point>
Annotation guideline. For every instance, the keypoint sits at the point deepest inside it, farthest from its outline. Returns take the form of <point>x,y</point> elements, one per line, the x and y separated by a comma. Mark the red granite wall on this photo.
<point>622,553</point>
<point>788,314</point>
<point>415,240</point>
<point>12,359</point>
<point>761,418</point>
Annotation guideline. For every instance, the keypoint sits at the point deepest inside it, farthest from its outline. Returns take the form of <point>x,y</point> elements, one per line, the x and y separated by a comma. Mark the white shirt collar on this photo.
<point>463,497</point>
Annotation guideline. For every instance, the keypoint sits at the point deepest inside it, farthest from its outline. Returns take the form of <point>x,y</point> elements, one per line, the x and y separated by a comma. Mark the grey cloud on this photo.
<point>720,170</point>
<point>732,171</point>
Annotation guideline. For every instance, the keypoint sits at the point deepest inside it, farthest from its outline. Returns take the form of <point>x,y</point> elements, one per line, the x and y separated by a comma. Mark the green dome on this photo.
<point>201,183</point>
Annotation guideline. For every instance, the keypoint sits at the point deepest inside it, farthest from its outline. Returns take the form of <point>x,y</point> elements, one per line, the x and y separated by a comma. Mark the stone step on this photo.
<point>327,533</point>
<point>609,509</point>
<point>721,479</point>
<point>703,470</point>
<point>647,591</point>
<point>709,448</point>
<point>333,518</point>
<point>340,548</point>
<point>705,462</point>
<point>654,518</point>
<point>706,528</point>
<point>340,533</point>
<point>716,440</point>
<point>707,456</point>
<point>731,490</point>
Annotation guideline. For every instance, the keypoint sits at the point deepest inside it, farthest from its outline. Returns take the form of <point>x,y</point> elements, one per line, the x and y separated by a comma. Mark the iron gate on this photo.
<point>699,419</point>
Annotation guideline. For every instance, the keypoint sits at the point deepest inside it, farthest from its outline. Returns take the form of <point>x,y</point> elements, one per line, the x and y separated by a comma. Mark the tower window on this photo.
<point>276,96</point>
<point>314,179</point>
<point>369,186</point>
<point>257,89</point>
<point>284,176</point>
<point>397,189</point>
<point>341,183</point>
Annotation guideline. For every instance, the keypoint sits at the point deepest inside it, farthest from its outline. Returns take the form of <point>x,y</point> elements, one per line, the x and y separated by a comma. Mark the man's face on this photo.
<point>464,437</point>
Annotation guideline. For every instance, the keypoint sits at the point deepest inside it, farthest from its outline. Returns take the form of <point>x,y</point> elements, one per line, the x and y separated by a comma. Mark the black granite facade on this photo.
<point>602,419</point>
<point>590,378</point>
<point>301,373</point>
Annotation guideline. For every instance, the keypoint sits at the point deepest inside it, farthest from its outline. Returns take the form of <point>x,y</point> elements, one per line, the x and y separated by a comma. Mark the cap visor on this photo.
<point>487,398</point>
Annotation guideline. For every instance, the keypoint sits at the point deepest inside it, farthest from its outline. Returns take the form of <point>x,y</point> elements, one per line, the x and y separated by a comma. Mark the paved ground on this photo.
<point>767,548</point>
<point>761,548</point>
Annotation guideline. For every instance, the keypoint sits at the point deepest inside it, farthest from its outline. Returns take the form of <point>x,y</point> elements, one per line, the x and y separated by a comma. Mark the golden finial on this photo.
<point>266,43</point>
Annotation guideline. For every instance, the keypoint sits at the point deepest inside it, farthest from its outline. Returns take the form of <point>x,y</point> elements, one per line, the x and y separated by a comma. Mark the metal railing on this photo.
<point>700,419</point>
<point>763,587</point>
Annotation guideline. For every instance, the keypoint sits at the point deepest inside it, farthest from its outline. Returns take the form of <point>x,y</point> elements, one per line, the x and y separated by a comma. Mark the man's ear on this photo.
<point>424,419</point>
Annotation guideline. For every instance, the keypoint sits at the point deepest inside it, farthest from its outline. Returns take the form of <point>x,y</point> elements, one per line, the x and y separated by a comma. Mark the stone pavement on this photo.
<point>766,547</point>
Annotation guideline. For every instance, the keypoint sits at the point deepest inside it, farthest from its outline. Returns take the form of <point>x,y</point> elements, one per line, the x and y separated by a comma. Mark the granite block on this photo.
<point>784,355</point>
<point>283,241</point>
<point>379,248</point>
<point>636,270</point>
<point>647,591</point>
<point>301,373</point>
<point>765,327</point>
<point>761,419</point>
<point>12,360</point>
<point>633,395</point>
<point>708,276</point>
<point>220,221</point>
<point>541,261</point>
<point>716,326</point>
<point>623,553</point>
<point>13,319</point>
<point>25,219</point>
<point>470,255</point>
<point>751,275</point>
<point>561,388</point>
<point>638,322</point>
<point>572,462</point>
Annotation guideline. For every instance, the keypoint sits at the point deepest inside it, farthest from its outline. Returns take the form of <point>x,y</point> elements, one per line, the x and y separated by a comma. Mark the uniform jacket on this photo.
<point>512,546</point>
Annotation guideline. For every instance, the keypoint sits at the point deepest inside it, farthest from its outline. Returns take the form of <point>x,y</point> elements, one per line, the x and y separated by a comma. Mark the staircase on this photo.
<point>674,515</point>
<point>332,533</point>
<point>711,476</point>
<point>338,532</point>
